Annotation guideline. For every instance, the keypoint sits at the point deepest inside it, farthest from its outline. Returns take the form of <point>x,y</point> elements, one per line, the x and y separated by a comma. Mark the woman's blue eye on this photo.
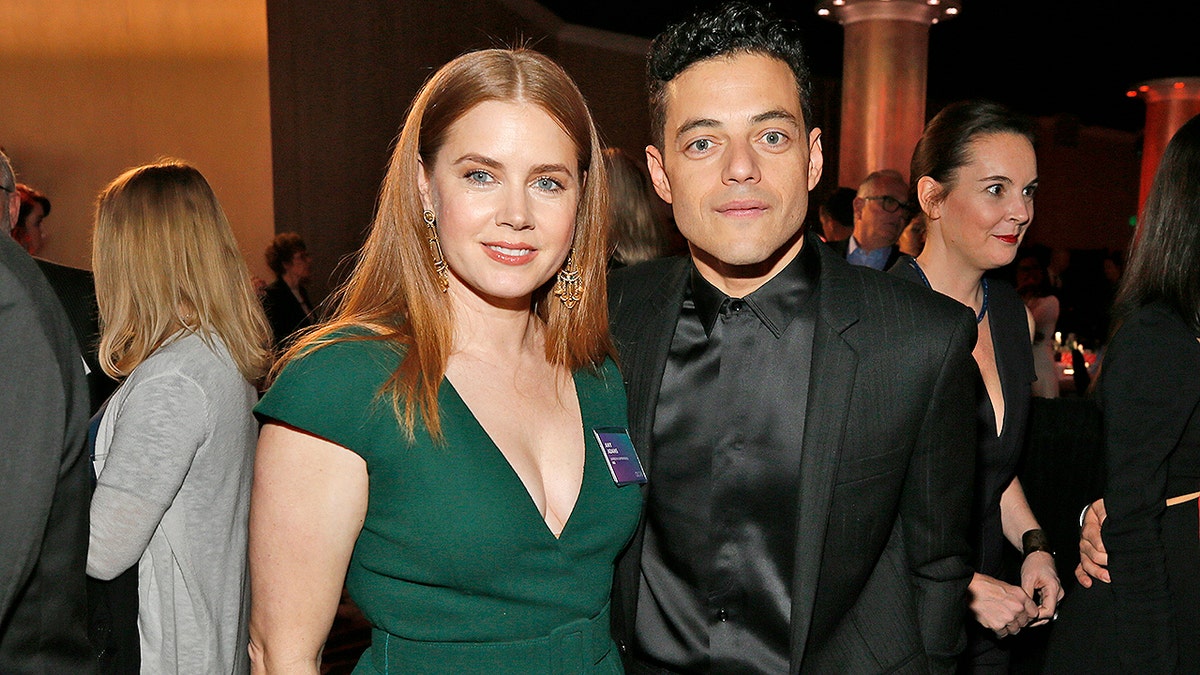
<point>479,176</point>
<point>548,184</point>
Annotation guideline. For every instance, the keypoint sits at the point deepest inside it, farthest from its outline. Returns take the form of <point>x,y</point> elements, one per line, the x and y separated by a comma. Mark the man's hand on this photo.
<point>1039,579</point>
<point>1002,608</point>
<point>1093,559</point>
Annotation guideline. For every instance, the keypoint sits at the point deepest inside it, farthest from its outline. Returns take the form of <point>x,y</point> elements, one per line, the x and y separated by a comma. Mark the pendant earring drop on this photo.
<point>435,248</point>
<point>567,286</point>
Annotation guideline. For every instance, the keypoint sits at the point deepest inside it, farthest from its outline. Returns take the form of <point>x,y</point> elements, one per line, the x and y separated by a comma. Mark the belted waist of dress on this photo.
<point>572,648</point>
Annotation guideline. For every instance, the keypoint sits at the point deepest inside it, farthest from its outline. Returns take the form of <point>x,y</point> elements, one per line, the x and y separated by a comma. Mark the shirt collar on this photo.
<point>875,257</point>
<point>853,246</point>
<point>775,303</point>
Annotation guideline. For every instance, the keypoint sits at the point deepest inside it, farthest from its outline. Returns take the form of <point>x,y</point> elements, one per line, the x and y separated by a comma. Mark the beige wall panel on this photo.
<point>92,88</point>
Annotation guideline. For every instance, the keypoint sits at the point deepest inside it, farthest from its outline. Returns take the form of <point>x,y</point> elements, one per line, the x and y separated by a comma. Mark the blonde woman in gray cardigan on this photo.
<point>175,446</point>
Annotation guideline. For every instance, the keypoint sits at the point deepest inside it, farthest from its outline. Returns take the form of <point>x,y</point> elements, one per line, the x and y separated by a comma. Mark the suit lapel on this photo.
<point>831,383</point>
<point>646,327</point>
<point>644,309</point>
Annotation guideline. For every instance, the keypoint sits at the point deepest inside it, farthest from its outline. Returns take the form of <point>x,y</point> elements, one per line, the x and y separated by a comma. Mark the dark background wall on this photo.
<point>1089,185</point>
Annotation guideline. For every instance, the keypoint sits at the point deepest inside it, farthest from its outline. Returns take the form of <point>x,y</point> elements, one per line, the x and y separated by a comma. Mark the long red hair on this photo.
<point>394,290</point>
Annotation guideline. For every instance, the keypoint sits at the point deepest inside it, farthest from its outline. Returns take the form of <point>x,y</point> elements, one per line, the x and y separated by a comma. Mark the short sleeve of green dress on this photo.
<point>455,567</point>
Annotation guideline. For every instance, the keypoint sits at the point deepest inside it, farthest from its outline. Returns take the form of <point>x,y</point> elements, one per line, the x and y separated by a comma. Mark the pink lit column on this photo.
<point>1170,103</point>
<point>885,63</point>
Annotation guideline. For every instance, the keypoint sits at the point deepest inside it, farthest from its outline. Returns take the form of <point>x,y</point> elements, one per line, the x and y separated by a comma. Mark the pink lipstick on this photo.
<point>509,253</point>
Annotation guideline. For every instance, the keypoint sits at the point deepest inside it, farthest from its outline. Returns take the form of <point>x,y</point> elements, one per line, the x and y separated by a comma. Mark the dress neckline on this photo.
<point>984,282</point>
<point>511,473</point>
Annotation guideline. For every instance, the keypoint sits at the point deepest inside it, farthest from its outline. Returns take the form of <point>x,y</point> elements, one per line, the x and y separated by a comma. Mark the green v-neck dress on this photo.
<point>455,568</point>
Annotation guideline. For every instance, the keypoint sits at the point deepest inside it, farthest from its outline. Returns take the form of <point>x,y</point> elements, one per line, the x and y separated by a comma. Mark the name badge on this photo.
<point>623,462</point>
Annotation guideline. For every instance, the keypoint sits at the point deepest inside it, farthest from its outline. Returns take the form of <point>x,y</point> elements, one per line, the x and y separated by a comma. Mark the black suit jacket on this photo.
<point>44,488</point>
<point>842,247</point>
<point>76,291</point>
<point>881,565</point>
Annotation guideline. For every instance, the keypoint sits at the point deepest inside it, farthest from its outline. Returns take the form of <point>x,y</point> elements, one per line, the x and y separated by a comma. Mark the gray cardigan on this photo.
<point>175,457</point>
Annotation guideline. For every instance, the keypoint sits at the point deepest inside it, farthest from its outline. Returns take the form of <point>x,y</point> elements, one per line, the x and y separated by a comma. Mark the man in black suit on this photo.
<point>807,426</point>
<point>880,213</point>
<point>44,488</point>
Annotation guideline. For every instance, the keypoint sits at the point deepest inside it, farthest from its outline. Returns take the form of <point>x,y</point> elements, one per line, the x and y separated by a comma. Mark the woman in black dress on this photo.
<point>974,174</point>
<point>1145,619</point>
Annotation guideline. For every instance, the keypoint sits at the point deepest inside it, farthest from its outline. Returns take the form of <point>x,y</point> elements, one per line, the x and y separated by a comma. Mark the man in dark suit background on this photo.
<point>807,426</point>
<point>285,300</point>
<point>880,213</point>
<point>44,487</point>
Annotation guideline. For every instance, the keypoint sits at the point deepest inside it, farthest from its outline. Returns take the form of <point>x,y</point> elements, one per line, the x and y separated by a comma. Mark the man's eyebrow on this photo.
<point>705,122</point>
<point>774,115</point>
<point>702,122</point>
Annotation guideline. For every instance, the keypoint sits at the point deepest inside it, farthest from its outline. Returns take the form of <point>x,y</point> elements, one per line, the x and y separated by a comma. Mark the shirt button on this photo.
<point>722,615</point>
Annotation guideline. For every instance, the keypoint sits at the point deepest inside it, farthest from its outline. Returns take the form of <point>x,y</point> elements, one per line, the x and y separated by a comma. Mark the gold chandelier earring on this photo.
<point>435,248</point>
<point>568,286</point>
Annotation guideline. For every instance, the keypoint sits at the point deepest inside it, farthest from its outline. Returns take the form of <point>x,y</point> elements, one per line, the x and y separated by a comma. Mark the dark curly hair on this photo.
<point>729,29</point>
<point>282,249</point>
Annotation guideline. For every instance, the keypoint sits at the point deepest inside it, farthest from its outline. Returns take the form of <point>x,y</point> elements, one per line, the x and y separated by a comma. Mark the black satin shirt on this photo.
<point>717,563</point>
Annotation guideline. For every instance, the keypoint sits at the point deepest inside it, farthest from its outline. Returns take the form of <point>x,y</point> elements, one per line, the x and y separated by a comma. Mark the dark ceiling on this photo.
<point>1045,57</point>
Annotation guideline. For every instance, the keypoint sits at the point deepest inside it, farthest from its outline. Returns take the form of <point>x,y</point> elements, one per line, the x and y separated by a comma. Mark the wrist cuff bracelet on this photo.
<point>1035,540</point>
